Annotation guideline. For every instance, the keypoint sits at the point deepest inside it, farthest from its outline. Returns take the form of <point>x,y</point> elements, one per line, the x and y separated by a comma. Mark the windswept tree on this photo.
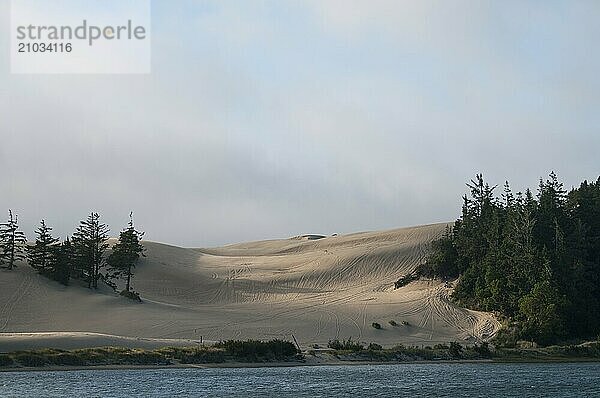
<point>90,241</point>
<point>41,254</point>
<point>12,242</point>
<point>125,254</point>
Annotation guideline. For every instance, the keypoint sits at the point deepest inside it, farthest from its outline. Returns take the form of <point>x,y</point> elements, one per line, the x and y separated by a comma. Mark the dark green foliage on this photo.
<point>142,357</point>
<point>345,345</point>
<point>40,255</point>
<point>455,350</point>
<point>442,262</point>
<point>89,244</point>
<point>543,313</point>
<point>66,359</point>
<point>49,257</point>
<point>376,325</point>
<point>553,353</point>
<point>405,280</point>
<point>125,254</point>
<point>256,350</point>
<point>197,355</point>
<point>400,353</point>
<point>483,350</point>
<point>374,347</point>
<point>12,242</point>
<point>30,359</point>
<point>62,265</point>
<point>88,357</point>
<point>533,259</point>
<point>507,337</point>
<point>232,350</point>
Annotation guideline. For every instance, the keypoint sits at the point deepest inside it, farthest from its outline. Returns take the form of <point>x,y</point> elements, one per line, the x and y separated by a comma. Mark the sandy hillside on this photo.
<point>314,288</point>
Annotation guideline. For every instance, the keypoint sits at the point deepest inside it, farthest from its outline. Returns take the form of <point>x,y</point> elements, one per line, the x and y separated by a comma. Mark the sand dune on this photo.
<point>316,288</point>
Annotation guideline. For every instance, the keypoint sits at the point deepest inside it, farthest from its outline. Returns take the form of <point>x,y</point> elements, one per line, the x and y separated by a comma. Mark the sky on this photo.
<point>270,119</point>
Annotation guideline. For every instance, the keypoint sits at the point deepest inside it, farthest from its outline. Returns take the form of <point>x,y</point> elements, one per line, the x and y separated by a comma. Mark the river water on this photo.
<point>403,380</point>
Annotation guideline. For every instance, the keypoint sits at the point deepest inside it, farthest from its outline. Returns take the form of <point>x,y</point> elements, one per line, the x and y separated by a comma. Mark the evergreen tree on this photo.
<point>535,259</point>
<point>125,254</point>
<point>90,241</point>
<point>542,312</point>
<point>41,254</point>
<point>12,242</point>
<point>62,265</point>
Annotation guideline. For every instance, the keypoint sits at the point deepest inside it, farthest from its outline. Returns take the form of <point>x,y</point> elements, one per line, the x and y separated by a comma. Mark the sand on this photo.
<point>314,288</point>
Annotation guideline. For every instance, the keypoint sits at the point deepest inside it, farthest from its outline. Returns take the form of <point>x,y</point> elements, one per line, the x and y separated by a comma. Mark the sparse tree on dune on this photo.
<point>90,241</point>
<point>125,254</point>
<point>40,255</point>
<point>12,242</point>
<point>62,264</point>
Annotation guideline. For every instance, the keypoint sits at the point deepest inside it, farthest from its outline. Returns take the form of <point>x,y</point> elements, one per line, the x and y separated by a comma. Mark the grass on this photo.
<point>588,352</point>
<point>354,351</point>
<point>231,350</point>
<point>256,351</point>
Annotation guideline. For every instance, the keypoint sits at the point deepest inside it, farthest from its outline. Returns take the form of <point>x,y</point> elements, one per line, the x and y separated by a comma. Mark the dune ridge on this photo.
<point>315,288</point>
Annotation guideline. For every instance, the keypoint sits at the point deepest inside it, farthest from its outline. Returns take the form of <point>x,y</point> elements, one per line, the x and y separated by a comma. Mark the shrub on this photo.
<point>132,295</point>
<point>483,350</point>
<point>30,360</point>
<point>68,359</point>
<point>374,347</point>
<point>203,356</point>
<point>376,325</point>
<point>345,345</point>
<point>405,280</point>
<point>455,350</point>
<point>255,350</point>
<point>141,357</point>
<point>507,337</point>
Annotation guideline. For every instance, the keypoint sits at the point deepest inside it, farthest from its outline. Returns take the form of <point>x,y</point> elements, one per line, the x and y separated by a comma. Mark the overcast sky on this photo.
<point>272,119</point>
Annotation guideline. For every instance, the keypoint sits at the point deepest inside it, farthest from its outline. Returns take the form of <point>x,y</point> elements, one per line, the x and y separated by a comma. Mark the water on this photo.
<point>412,380</point>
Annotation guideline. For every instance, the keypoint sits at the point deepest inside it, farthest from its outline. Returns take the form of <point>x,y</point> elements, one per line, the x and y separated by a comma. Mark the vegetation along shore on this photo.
<point>252,353</point>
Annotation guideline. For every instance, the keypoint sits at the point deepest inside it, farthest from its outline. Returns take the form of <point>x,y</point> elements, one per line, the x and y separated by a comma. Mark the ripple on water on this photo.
<point>414,380</point>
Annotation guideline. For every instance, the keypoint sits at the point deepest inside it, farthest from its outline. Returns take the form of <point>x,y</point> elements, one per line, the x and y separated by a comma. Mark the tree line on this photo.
<point>81,257</point>
<point>533,258</point>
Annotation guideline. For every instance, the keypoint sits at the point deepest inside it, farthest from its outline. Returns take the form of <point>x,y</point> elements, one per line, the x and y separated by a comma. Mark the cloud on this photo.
<point>270,119</point>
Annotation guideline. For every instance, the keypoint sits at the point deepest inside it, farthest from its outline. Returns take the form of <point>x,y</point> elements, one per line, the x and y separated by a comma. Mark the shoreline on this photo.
<point>280,353</point>
<point>256,365</point>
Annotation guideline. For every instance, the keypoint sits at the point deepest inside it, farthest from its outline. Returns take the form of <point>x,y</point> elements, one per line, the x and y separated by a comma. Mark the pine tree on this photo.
<point>125,254</point>
<point>41,255</point>
<point>12,242</point>
<point>535,259</point>
<point>89,244</point>
<point>62,265</point>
